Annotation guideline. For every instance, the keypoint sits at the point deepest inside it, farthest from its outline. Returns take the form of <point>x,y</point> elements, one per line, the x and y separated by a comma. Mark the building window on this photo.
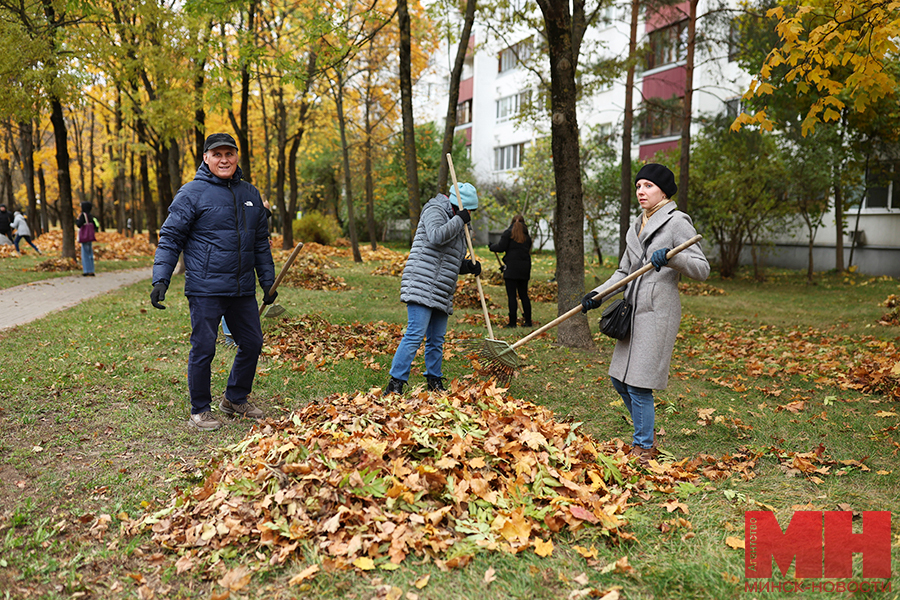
<point>510,106</point>
<point>734,107</point>
<point>661,118</point>
<point>508,157</point>
<point>464,112</point>
<point>883,186</point>
<point>667,45</point>
<point>515,54</point>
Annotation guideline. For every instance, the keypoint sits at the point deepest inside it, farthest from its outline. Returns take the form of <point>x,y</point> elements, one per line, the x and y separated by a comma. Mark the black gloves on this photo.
<point>470,267</point>
<point>590,301</point>
<point>464,215</point>
<point>158,295</point>
<point>269,297</point>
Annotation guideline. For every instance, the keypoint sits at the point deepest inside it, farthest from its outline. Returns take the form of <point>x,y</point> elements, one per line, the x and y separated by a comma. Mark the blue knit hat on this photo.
<point>469,197</point>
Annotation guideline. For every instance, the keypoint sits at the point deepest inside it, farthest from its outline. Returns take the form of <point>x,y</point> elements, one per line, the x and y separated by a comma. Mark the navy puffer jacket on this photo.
<point>437,253</point>
<point>221,228</point>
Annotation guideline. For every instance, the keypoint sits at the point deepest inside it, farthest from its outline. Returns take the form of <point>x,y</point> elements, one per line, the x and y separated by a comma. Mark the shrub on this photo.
<point>316,227</point>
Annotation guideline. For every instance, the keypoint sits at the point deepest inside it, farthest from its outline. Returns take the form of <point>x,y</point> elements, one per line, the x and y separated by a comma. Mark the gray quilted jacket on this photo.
<point>437,253</point>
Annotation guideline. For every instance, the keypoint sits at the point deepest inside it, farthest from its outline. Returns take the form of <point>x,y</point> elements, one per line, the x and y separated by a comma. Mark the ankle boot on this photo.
<point>435,384</point>
<point>395,386</point>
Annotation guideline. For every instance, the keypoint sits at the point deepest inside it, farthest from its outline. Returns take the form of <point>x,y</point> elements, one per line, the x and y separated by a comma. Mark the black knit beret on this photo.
<point>661,176</point>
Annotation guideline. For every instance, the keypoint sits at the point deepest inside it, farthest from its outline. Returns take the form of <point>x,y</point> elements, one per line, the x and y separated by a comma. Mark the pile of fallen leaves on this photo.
<point>115,246</point>
<point>543,291</point>
<point>308,272</point>
<point>466,295</point>
<point>312,341</point>
<point>698,288</point>
<point>892,316</point>
<point>365,251</point>
<point>53,265</point>
<point>315,341</point>
<point>371,479</point>
<point>392,268</point>
<point>8,251</point>
<point>862,363</point>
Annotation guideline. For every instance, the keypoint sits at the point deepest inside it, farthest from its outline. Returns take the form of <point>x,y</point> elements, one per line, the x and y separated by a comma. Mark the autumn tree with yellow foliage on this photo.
<point>842,53</point>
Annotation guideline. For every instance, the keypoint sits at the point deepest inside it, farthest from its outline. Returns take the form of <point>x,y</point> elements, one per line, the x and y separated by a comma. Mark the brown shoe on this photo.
<point>204,421</point>
<point>244,409</point>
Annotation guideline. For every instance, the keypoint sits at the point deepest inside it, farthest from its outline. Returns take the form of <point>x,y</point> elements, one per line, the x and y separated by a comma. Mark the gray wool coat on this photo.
<point>438,249</point>
<point>642,359</point>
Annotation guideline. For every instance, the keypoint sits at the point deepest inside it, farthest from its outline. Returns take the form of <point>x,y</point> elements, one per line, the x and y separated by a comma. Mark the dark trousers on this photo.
<point>242,315</point>
<point>520,286</point>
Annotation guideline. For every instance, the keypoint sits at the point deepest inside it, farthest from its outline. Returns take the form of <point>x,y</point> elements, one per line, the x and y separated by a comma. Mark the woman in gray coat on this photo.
<point>436,259</point>
<point>640,362</point>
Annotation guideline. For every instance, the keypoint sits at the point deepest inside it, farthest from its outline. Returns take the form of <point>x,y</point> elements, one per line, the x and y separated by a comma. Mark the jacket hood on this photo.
<point>204,174</point>
<point>86,207</point>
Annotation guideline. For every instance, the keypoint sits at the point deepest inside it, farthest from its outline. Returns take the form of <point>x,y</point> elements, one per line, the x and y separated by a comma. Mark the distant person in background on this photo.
<point>5,226</point>
<point>129,227</point>
<point>23,232</point>
<point>87,229</point>
<point>516,242</point>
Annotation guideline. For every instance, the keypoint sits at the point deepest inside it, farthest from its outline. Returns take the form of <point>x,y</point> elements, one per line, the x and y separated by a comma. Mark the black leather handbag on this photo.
<point>616,320</point>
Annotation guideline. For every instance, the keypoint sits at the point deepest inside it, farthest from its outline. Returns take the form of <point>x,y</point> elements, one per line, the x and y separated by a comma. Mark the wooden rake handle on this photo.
<point>284,270</point>
<point>487,318</point>
<point>619,284</point>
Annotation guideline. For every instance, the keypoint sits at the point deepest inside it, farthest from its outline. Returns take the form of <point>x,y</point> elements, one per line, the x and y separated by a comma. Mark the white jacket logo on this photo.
<point>248,203</point>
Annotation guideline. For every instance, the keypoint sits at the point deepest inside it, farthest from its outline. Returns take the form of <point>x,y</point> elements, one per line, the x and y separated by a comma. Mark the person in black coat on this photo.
<point>516,242</point>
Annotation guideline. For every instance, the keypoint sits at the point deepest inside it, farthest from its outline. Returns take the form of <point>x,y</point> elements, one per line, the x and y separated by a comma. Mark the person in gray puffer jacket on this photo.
<point>220,224</point>
<point>436,259</point>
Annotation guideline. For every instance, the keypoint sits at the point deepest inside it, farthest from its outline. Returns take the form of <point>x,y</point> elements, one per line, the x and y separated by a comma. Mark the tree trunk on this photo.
<point>569,217</point>
<point>452,104</point>
<point>281,164</point>
<point>684,166</point>
<point>149,204</point>
<point>45,207</point>
<point>66,220</point>
<point>370,183</point>
<point>406,109</point>
<point>27,149</point>
<point>627,190</point>
<point>345,153</point>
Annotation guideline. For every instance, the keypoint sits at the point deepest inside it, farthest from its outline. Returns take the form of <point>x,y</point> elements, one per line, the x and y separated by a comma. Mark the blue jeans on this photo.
<point>27,238</point>
<point>87,257</point>
<point>242,315</point>
<point>639,402</point>
<point>427,323</point>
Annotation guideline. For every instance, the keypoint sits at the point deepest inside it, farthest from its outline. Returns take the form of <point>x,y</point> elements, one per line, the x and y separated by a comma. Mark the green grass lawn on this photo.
<point>94,433</point>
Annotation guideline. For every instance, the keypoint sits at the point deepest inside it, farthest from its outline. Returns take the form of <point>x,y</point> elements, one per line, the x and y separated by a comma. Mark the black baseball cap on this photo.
<point>219,139</point>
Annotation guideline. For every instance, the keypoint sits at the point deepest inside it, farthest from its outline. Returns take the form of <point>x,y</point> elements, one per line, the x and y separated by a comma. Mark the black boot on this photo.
<point>395,386</point>
<point>435,384</point>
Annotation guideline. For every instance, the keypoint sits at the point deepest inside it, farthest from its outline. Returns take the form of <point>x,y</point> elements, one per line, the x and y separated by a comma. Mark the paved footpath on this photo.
<point>31,301</point>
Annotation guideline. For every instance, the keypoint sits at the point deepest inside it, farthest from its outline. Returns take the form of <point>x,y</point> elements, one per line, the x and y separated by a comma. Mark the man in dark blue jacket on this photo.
<point>219,222</point>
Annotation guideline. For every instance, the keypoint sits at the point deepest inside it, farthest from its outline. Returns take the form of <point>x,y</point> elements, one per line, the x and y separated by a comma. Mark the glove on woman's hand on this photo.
<point>658,259</point>
<point>590,301</point>
<point>469,267</point>
<point>464,215</point>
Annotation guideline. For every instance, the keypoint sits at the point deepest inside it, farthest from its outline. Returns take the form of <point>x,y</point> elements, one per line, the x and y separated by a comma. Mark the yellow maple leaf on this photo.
<point>734,542</point>
<point>422,581</point>
<point>364,563</point>
<point>542,548</point>
<point>585,552</point>
<point>304,575</point>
